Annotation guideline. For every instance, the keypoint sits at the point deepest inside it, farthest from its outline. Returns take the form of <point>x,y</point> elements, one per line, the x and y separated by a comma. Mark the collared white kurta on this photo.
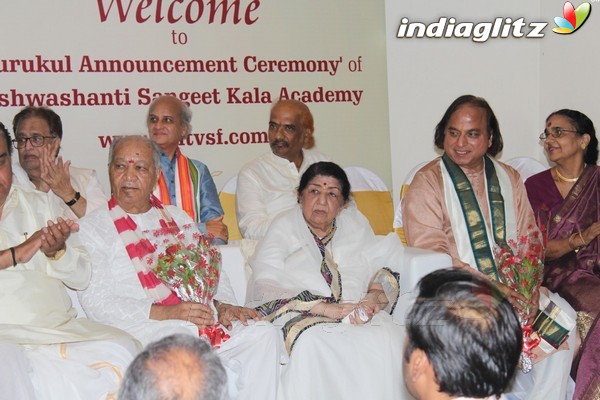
<point>267,186</point>
<point>37,321</point>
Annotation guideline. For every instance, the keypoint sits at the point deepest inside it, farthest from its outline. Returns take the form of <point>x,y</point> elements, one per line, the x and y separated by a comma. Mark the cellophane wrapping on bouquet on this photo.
<point>192,272</point>
<point>520,267</point>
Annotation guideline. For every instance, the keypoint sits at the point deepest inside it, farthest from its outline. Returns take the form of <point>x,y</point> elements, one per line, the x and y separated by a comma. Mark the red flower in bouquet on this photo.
<point>191,271</point>
<point>520,267</point>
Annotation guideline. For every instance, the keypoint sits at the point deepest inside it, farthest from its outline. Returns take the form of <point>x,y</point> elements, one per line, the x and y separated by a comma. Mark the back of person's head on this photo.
<point>468,331</point>
<point>177,367</point>
<point>52,119</point>
<point>493,127</point>
<point>583,125</point>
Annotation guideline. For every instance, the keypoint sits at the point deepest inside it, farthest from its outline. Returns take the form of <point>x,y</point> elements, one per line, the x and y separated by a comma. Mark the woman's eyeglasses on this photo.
<point>555,132</point>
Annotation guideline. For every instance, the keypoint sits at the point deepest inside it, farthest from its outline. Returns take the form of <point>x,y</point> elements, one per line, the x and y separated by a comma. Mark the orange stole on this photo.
<point>186,187</point>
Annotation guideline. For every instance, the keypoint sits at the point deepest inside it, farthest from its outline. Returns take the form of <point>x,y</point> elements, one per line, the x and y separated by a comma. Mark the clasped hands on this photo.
<point>217,229</point>
<point>589,234</point>
<point>49,240</point>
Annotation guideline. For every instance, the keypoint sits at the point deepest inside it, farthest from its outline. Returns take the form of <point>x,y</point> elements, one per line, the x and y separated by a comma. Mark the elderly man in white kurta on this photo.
<point>267,185</point>
<point>122,241</point>
<point>38,136</point>
<point>46,352</point>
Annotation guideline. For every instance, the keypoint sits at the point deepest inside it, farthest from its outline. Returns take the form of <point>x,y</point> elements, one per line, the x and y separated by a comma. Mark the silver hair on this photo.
<point>119,140</point>
<point>185,115</point>
<point>141,382</point>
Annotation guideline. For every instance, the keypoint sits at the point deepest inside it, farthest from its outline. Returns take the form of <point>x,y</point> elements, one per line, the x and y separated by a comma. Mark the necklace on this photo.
<point>570,180</point>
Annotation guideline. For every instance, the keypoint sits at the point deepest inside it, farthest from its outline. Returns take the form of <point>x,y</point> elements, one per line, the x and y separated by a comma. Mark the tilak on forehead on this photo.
<point>325,183</point>
<point>131,160</point>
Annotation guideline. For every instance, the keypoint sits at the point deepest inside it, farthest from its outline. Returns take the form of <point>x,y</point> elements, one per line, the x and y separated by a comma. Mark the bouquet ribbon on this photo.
<point>530,339</point>
<point>215,335</point>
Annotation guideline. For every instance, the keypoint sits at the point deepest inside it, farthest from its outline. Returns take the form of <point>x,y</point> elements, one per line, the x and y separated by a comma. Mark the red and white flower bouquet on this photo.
<point>520,267</point>
<point>192,272</point>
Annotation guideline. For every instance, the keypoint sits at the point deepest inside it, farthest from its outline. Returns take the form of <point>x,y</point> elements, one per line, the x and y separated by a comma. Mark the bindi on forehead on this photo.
<point>325,184</point>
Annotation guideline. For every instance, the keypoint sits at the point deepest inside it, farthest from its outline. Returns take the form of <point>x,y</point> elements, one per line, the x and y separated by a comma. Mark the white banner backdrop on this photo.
<point>524,70</point>
<point>99,63</point>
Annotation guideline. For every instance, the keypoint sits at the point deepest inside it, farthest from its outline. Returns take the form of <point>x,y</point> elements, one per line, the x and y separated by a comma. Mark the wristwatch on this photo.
<point>74,200</point>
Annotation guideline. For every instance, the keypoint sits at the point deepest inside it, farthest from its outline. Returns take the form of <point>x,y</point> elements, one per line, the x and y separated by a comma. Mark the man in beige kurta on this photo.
<point>469,135</point>
<point>427,221</point>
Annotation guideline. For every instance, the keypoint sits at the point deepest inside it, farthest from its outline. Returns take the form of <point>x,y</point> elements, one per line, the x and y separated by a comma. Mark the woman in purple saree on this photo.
<point>566,199</point>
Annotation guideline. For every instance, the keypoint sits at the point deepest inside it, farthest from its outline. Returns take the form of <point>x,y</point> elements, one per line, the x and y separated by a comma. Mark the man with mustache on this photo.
<point>267,185</point>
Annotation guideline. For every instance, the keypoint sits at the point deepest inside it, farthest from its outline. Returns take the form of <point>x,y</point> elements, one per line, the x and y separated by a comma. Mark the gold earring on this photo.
<point>583,146</point>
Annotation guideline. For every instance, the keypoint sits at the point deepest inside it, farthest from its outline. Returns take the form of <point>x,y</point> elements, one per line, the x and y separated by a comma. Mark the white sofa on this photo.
<point>416,264</point>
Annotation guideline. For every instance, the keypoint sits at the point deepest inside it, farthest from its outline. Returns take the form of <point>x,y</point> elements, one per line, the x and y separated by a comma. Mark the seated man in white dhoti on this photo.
<point>466,204</point>
<point>463,339</point>
<point>46,352</point>
<point>319,274</point>
<point>127,241</point>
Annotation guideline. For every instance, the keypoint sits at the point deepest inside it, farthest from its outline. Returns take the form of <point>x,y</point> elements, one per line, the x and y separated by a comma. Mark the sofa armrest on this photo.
<point>234,266</point>
<point>415,264</point>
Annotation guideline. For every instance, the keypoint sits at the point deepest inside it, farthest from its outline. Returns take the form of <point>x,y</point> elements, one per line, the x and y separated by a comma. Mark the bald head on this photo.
<point>178,373</point>
<point>304,116</point>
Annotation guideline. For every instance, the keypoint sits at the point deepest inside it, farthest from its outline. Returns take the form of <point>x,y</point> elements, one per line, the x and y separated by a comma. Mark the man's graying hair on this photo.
<point>144,140</point>
<point>185,115</point>
<point>148,377</point>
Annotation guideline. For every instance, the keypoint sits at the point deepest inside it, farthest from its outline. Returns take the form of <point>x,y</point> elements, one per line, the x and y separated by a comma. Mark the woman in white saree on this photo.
<point>318,274</point>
